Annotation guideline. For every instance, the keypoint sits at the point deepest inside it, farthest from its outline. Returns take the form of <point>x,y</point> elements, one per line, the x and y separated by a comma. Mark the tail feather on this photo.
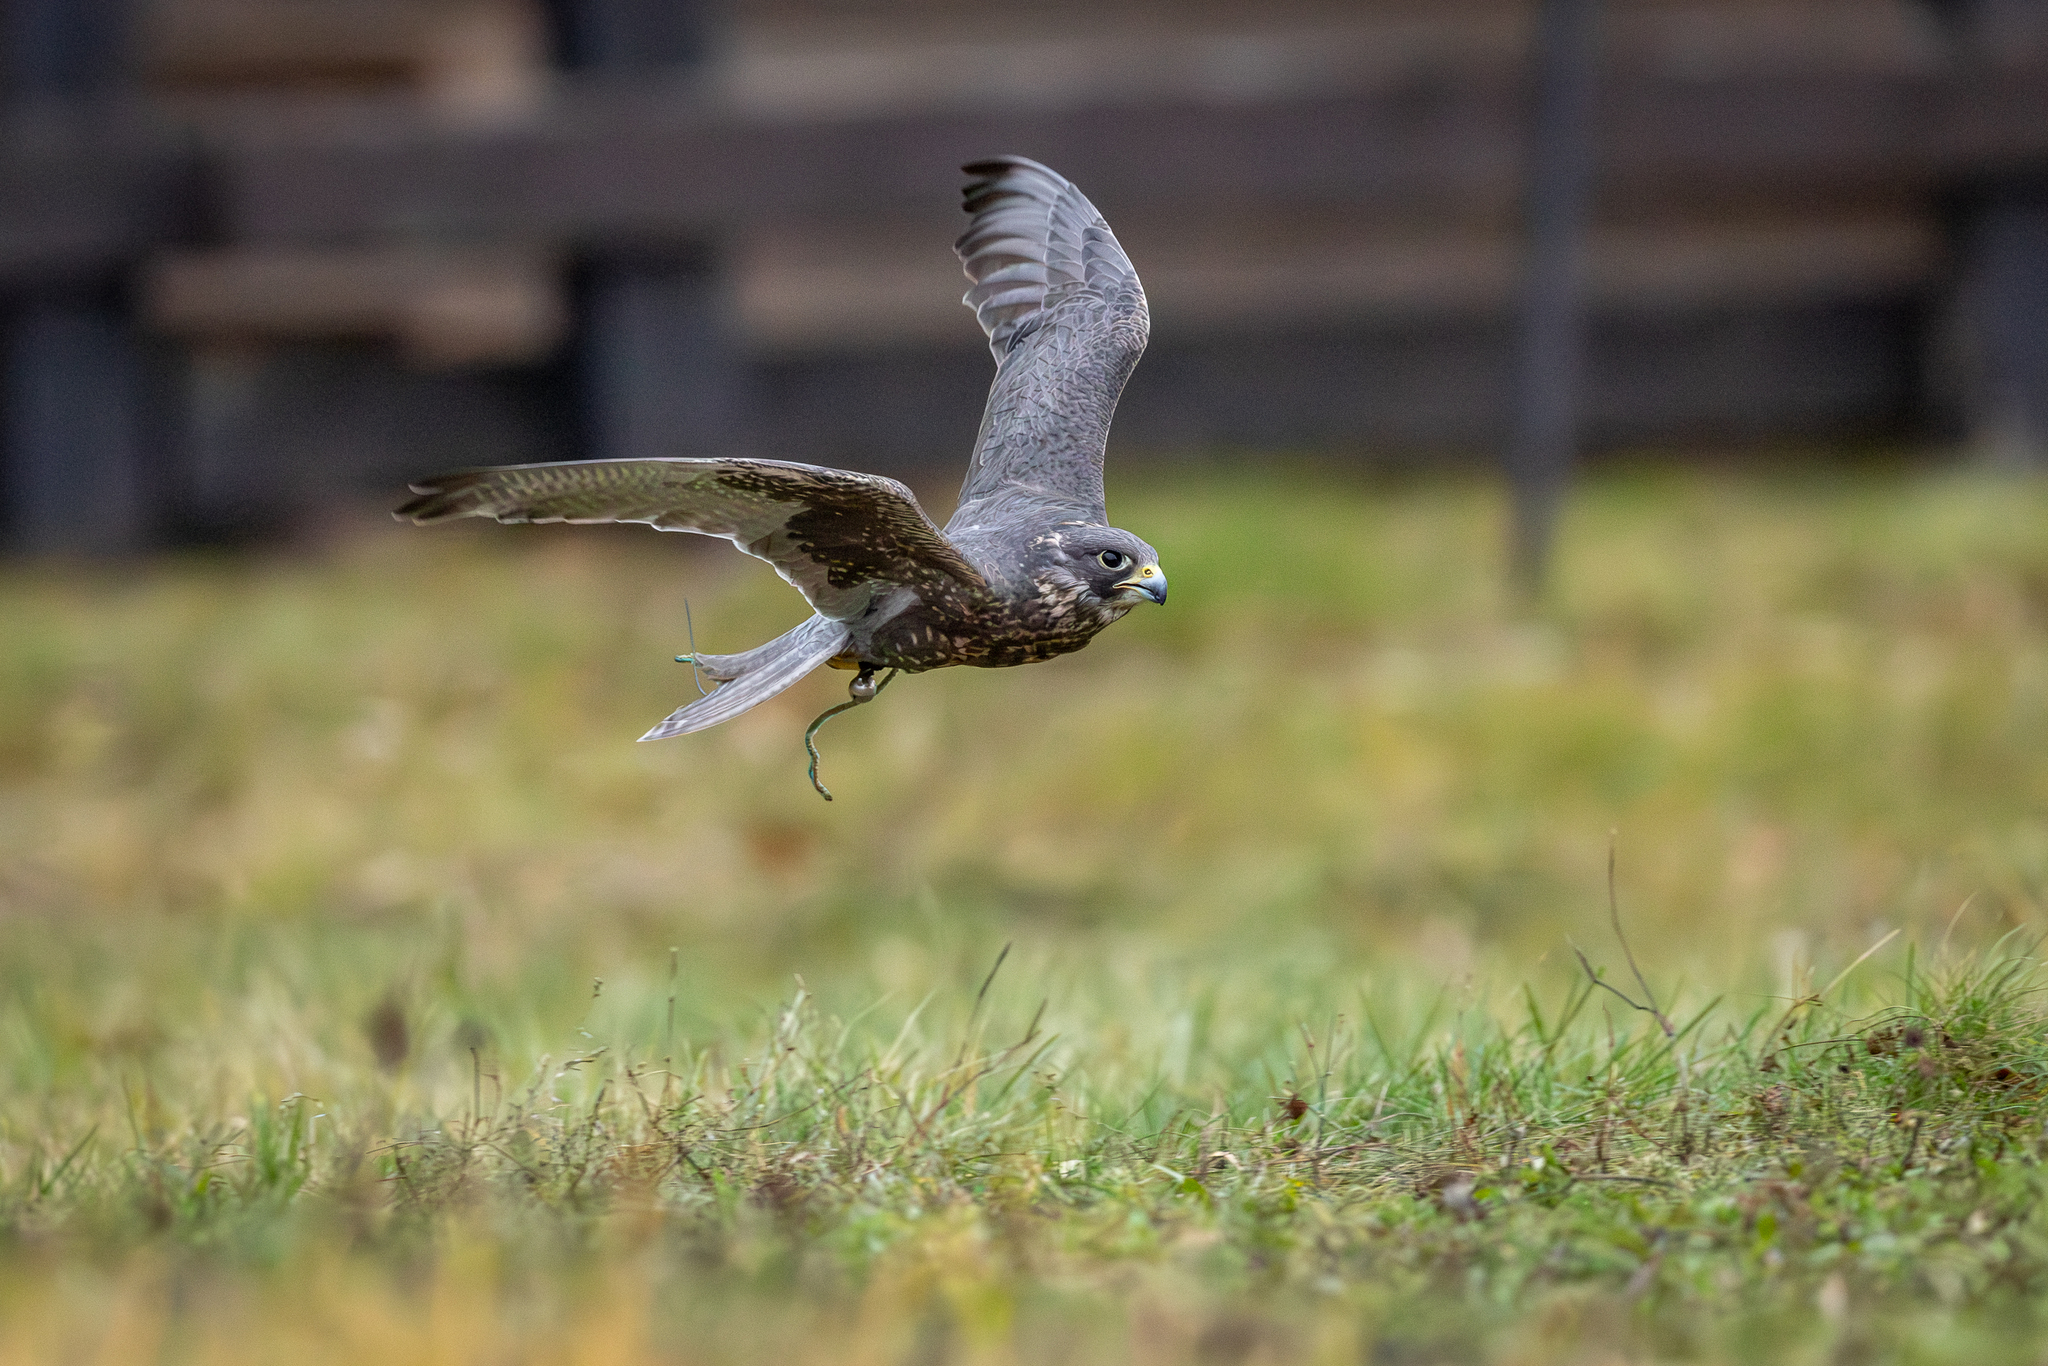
<point>756,675</point>
<point>725,668</point>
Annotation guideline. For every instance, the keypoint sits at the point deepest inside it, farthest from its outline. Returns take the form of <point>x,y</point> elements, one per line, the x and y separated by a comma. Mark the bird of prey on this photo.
<point>1027,568</point>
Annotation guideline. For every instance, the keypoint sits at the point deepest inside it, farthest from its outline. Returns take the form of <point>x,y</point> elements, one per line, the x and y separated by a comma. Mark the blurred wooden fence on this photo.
<point>257,254</point>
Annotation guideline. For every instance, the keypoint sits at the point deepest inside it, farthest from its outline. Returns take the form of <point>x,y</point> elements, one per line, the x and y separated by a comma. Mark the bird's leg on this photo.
<point>864,688</point>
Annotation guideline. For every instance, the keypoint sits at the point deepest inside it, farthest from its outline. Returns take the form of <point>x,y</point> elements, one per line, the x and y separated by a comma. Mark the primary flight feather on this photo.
<point>1027,568</point>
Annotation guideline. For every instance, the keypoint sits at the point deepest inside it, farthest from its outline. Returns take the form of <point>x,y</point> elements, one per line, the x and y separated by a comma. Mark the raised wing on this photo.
<point>841,538</point>
<point>1066,319</point>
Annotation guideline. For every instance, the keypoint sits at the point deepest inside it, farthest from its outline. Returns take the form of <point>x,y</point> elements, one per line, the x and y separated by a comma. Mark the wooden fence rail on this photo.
<point>618,208</point>
<point>608,165</point>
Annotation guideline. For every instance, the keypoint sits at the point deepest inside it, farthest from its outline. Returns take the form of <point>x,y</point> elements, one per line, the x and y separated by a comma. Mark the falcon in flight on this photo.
<point>1027,568</point>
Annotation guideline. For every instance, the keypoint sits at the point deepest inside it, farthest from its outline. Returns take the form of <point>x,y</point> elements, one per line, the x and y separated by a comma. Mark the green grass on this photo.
<point>369,992</point>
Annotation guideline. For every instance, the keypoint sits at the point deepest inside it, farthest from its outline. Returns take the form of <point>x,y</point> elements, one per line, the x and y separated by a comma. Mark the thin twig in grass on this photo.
<point>1614,917</point>
<point>1817,997</point>
<point>655,1126</point>
<point>967,1037</point>
<point>833,1094</point>
<point>668,1033</point>
<point>1821,1043</point>
<point>989,980</point>
<point>44,1185</point>
<point>529,1173</point>
<point>1030,1033</point>
<point>1164,1137</point>
<point>404,1177</point>
<point>947,1095</point>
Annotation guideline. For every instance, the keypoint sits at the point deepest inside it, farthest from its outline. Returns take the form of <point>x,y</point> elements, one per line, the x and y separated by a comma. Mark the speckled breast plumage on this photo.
<point>989,635</point>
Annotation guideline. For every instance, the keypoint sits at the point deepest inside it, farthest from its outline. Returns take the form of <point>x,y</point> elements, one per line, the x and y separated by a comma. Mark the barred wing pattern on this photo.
<point>1066,321</point>
<point>841,538</point>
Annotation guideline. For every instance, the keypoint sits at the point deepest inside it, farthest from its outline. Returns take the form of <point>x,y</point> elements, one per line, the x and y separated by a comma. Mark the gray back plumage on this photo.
<point>1066,321</point>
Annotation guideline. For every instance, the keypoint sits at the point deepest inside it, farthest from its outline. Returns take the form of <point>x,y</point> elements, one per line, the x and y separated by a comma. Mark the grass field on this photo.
<point>370,995</point>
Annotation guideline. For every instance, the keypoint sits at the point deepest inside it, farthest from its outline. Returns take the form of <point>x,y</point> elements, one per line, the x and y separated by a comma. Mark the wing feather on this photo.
<point>1066,320</point>
<point>841,538</point>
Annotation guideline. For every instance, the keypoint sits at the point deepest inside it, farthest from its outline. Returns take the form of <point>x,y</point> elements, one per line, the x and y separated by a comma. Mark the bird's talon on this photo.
<point>862,689</point>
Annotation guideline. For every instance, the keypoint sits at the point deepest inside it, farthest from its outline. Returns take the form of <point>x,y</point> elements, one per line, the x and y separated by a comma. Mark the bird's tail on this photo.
<point>751,678</point>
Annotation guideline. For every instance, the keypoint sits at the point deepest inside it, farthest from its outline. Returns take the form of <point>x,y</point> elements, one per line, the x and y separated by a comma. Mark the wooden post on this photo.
<point>2001,254</point>
<point>624,36</point>
<point>75,431</point>
<point>655,371</point>
<point>1549,376</point>
<point>78,477</point>
<point>2004,267</point>
<point>56,50</point>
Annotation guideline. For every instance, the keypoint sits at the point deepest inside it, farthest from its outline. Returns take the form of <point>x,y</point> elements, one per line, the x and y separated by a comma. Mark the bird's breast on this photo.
<point>987,634</point>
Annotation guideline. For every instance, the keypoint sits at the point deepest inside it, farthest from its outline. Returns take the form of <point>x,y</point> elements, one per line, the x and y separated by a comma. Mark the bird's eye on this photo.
<point>1112,559</point>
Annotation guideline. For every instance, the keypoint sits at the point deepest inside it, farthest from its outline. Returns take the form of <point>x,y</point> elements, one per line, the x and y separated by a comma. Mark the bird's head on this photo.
<point>1108,569</point>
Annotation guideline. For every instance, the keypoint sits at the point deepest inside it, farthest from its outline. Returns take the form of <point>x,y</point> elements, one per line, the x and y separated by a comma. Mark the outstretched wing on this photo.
<point>1066,319</point>
<point>841,538</point>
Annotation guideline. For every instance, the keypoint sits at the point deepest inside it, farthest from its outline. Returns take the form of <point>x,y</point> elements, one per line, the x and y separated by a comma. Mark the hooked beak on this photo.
<point>1151,581</point>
